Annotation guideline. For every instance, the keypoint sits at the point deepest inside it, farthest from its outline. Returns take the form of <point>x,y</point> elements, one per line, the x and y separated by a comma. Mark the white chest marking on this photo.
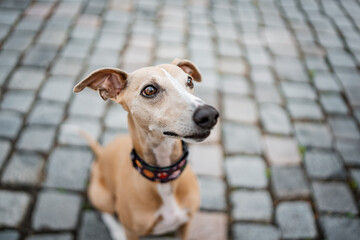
<point>172,215</point>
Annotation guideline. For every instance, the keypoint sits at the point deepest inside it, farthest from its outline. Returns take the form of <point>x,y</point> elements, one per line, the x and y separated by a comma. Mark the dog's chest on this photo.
<point>172,216</point>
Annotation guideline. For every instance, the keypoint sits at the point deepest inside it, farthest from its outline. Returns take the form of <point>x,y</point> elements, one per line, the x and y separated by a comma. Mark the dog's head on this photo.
<point>158,98</point>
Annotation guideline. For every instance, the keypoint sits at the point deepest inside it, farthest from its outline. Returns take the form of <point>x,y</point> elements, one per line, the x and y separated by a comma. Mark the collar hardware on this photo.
<point>160,174</point>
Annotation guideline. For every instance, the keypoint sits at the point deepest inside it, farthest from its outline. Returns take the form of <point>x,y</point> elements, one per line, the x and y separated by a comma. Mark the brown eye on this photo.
<point>190,82</point>
<point>149,91</point>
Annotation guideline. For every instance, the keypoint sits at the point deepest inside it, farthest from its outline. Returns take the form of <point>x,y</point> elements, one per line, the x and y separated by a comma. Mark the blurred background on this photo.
<point>284,161</point>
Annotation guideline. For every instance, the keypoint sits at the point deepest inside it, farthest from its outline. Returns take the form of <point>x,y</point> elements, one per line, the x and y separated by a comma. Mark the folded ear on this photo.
<point>188,67</point>
<point>109,81</point>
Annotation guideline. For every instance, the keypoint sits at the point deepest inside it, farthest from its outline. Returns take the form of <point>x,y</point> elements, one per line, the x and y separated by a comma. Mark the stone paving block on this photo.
<point>212,191</point>
<point>40,9</point>
<point>251,206</point>
<point>19,41</point>
<point>334,197</point>
<point>10,124</point>
<point>204,223</point>
<point>104,57</point>
<point>8,16</point>
<point>76,48</point>
<point>241,138</point>
<point>24,169</point>
<point>296,220</point>
<point>239,109</point>
<point>60,236</point>
<point>235,85</point>
<point>313,135</point>
<point>57,88</point>
<point>267,93</point>
<point>9,235</point>
<point>20,101</point>
<point>29,24</point>
<point>232,66</point>
<point>355,176</point>
<point>8,58</point>
<point>4,73</point>
<point>170,51</point>
<point>304,110</point>
<point>333,104</point>
<point>262,75</point>
<point>228,48</point>
<point>298,90</point>
<point>344,127</point>
<point>68,135</point>
<point>48,113</point>
<point>5,147</point>
<point>349,151</point>
<point>290,69</point>
<point>26,78</point>
<point>258,56</point>
<point>39,56</point>
<point>36,138</point>
<point>340,59</point>
<point>116,117</point>
<point>114,41</point>
<point>340,228</point>
<point>250,231</point>
<point>317,63</point>
<point>88,103</point>
<point>275,119</point>
<point>66,67</point>
<point>13,208</point>
<point>68,169</point>
<point>92,227</point>
<point>207,159</point>
<point>56,210</point>
<point>281,151</point>
<point>246,171</point>
<point>289,183</point>
<point>52,37</point>
<point>323,165</point>
<point>327,82</point>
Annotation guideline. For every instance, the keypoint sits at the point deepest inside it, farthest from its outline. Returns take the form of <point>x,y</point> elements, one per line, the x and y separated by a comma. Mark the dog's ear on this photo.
<point>108,81</point>
<point>188,67</point>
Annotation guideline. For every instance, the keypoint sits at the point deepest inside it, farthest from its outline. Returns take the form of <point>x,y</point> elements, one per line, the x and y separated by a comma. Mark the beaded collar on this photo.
<point>160,174</point>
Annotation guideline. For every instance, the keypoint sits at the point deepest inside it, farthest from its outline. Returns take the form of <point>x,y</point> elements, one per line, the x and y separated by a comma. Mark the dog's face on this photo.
<point>160,99</point>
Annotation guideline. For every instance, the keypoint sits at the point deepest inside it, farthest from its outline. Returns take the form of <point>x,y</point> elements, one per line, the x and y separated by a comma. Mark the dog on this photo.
<point>143,177</point>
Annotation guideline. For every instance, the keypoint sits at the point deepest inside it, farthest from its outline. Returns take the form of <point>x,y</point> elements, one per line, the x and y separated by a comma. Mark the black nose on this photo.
<point>205,116</point>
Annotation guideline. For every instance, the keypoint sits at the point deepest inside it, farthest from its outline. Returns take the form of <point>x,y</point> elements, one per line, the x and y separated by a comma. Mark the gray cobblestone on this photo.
<point>289,183</point>
<point>325,81</point>
<point>89,103</point>
<point>349,151</point>
<point>9,58</point>
<point>57,88</point>
<point>26,79</point>
<point>10,124</point>
<point>13,207</point>
<point>241,139</point>
<point>296,220</point>
<point>267,93</point>
<point>212,192</point>
<point>5,147</point>
<point>275,119</point>
<point>290,69</point>
<point>333,104</point>
<point>298,90</point>
<point>304,110</point>
<point>35,138</point>
<point>240,109</point>
<point>39,56</point>
<point>340,228</point>
<point>62,236</point>
<point>235,85</point>
<point>68,169</point>
<point>249,231</point>
<point>334,198</point>
<point>251,206</point>
<point>24,169</point>
<point>92,228</point>
<point>344,127</point>
<point>281,151</point>
<point>324,165</point>
<point>246,171</point>
<point>9,235</point>
<point>56,211</point>
<point>47,113</point>
<point>207,159</point>
<point>20,101</point>
<point>313,135</point>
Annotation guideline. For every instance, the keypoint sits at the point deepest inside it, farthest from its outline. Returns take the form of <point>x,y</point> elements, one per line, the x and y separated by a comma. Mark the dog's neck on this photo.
<point>153,147</point>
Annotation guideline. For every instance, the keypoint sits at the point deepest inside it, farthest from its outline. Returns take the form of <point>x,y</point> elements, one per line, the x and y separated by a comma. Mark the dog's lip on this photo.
<point>196,136</point>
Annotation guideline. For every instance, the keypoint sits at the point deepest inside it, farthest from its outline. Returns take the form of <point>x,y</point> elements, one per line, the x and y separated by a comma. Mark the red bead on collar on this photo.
<point>160,174</point>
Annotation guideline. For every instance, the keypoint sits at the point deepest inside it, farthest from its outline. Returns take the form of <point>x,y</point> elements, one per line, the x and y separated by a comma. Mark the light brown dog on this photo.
<point>162,111</point>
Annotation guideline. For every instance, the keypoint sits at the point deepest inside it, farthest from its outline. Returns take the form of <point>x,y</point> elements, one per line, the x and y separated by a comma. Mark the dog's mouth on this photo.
<point>197,136</point>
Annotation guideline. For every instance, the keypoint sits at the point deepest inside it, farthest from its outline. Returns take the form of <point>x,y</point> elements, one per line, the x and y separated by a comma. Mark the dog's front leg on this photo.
<point>184,231</point>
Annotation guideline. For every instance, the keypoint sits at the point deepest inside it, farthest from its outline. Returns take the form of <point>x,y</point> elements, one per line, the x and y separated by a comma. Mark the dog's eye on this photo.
<point>190,82</point>
<point>149,91</point>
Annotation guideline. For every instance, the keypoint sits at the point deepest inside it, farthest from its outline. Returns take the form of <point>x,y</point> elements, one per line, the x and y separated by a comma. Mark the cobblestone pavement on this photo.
<point>284,163</point>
